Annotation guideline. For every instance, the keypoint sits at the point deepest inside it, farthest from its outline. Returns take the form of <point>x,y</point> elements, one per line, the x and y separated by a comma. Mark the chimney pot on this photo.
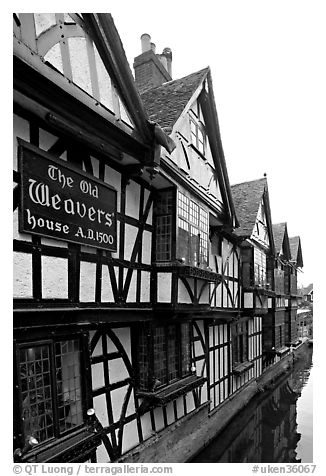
<point>145,42</point>
<point>167,52</point>
<point>153,47</point>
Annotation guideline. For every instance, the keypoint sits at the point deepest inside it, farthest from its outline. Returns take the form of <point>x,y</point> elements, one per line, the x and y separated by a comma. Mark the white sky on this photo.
<point>266,59</point>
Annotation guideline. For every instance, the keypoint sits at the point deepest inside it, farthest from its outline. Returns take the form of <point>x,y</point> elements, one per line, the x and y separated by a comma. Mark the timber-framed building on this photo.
<point>139,293</point>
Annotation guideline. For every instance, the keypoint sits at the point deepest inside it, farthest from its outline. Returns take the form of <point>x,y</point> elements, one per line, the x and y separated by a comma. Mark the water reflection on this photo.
<point>276,427</point>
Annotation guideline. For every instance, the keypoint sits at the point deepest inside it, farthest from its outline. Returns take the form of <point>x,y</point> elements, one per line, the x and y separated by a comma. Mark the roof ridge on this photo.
<point>202,71</point>
<point>249,181</point>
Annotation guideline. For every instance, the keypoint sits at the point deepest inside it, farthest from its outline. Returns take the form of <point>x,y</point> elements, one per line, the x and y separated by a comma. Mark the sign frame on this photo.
<point>24,147</point>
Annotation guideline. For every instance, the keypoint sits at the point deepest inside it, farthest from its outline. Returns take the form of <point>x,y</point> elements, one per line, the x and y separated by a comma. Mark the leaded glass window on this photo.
<point>49,375</point>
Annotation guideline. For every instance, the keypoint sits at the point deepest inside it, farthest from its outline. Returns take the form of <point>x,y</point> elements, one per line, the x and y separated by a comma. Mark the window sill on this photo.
<point>173,391</point>
<point>281,350</point>
<point>72,448</point>
<point>241,368</point>
<point>189,271</point>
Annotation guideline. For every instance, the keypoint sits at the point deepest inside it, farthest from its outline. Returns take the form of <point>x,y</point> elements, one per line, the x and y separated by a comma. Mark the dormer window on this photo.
<point>198,136</point>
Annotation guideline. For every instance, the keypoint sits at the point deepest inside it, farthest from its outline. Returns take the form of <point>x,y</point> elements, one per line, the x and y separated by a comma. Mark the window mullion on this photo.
<point>54,390</point>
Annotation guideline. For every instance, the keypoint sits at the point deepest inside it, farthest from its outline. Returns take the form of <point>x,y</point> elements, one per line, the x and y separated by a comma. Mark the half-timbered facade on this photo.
<point>296,265</point>
<point>257,247</point>
<point>84,161</point>
<point>280,311</point>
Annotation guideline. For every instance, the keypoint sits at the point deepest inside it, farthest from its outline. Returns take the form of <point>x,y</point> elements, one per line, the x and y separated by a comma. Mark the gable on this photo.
<point>65,51</point>
<point>193,154</point>
<point>260,230</point>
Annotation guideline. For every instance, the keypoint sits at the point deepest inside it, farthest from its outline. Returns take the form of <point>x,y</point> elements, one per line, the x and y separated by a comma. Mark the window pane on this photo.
<point>37,409</point>
<point>185,349</point>
<point>172,353</point>
<point>163,237</point>
<point>194,213</point>
<point>67,357</point>
<point>159,355</point>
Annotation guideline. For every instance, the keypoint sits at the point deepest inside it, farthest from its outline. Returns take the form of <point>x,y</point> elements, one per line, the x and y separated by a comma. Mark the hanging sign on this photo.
<point>60,201</point>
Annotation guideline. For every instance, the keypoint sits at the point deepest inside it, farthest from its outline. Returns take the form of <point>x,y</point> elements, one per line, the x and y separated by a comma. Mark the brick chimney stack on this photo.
<point>152,69</point>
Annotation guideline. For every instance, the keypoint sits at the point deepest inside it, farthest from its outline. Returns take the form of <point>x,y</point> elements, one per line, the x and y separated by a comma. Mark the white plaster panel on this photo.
<point>54,277</point>
<point>147,247</point>
<point>225,295</point>
<point>146,426</point>
<point>211,367</point>
<point>205,296</point>
<point>225,350</point>
<point>22,274</point>
<point>180,407</point>
<point>198,349</point>
<point>190,402</point>
<point>115,254</point>
<point>219,295</point>
<point>164,287</point>
<point>110,346</point>
<point>158,416</point>
<point>117,399</point>
<point>203,395</point>
<point>183,295</point>
<point>102,455</point>
<point>87,281</point>
<point>106,291</point>
<point>97,376</point>
<point>130,436</point>
<point>98,348</point>
<point>51,242</point>
<point>21,129</point>
<point>16,234</point>
<point>248,300</point>
<point>133,287</point>
<point>117,370</point>
<point>145,286</point>
<point>96,167</point>
<point>225,330</point>
<point>235,296</point>
<point>100,408</point>
<point>131,404</point>
<point>113,178</point>
<point>149,220</point>
<point>46,140</point>
<point>79,63</point>
<point>130,238</point>
<point>170,413</point>
<point>123,334</point>
<point>210,333</point>
<point>132,199</point>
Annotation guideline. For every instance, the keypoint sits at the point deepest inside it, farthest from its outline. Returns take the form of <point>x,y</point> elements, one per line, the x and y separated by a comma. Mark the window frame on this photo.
<point>147,331</point>
<point>240,329</point>
<point>198,132</point>
<point>85,387</point>
<point>197,219</point>
<point>172,216</point>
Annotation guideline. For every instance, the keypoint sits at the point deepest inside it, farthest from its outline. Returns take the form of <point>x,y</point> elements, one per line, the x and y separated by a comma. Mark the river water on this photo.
<point>276,426</point>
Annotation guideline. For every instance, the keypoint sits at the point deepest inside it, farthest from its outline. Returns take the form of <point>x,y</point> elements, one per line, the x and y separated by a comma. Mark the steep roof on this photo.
<point>247,197</point>
<point>308,289</point>
<point>281,240</point>
<point>278,233</point>
<point>296,252</point>
<point>164,104</point>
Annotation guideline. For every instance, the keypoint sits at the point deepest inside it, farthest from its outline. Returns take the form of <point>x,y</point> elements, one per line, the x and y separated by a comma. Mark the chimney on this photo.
<point>145,42</point>
<point>168,55</point>
<point>151,69</point>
